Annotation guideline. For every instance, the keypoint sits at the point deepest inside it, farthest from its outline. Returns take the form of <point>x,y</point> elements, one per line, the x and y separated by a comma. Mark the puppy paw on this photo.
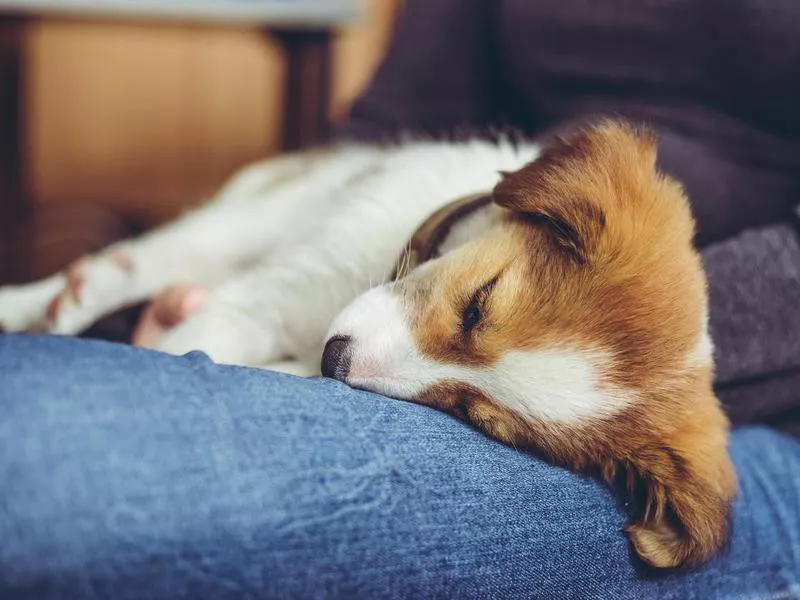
<point>225,335</point>
<point>93,287</point>
<point>24,307</point>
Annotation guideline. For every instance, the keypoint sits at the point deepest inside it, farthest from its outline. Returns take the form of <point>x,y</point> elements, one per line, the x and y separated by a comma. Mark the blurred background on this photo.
<point>121,123</point>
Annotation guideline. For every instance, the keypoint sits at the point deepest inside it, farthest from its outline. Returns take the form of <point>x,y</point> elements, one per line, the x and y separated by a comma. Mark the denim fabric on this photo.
<point>130,474</point>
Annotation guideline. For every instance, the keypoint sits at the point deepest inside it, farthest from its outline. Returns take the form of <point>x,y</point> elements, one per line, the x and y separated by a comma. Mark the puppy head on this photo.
<point>575,327</point>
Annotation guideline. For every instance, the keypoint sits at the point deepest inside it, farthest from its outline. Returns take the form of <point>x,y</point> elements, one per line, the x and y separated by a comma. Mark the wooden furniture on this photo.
<point>303,27</point>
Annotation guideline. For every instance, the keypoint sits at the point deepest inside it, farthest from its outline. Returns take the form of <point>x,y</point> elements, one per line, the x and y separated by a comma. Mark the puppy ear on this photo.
<point>687,505</point>
<point>577,182</point>
<point>574,225</point>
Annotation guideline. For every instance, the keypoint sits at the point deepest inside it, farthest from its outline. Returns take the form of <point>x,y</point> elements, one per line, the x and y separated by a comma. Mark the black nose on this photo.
<point>336,358</point>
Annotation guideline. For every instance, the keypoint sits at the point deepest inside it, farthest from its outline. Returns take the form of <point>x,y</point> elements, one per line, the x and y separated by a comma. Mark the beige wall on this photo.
<point>149,119</point>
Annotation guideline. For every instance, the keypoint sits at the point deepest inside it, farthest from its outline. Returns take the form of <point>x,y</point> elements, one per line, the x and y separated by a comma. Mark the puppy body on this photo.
<point>568,317</point>
<point>286,245</point>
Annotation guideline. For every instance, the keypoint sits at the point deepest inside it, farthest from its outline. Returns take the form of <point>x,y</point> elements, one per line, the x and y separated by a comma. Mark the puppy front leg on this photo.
<point>268,314</point>
<point>257,211</point>
<point>194,249</point>
<point>203,247</point>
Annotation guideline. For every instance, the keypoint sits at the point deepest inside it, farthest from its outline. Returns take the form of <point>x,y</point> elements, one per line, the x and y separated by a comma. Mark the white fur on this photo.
<point>703,352</point>
<point>285,247</point>
<point>559,384</point>
<point>24,307</point>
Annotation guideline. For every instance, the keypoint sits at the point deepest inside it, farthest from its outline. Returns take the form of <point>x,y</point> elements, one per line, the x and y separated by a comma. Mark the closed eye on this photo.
<point>473,312</point>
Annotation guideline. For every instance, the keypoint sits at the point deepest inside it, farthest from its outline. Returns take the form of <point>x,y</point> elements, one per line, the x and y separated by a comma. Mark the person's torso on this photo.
<point>718,79</point>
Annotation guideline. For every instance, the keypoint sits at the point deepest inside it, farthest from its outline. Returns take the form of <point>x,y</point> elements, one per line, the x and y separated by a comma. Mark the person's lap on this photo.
<point>129,474</point>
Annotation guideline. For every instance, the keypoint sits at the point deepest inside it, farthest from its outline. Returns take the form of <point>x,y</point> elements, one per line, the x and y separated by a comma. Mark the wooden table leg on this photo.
<point>308,87</point>
<point>14,248</point>
<point>12,41</point>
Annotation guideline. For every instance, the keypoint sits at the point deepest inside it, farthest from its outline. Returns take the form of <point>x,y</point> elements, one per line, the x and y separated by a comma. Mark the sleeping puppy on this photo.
<point>575,326</point>
<point>564,311</point>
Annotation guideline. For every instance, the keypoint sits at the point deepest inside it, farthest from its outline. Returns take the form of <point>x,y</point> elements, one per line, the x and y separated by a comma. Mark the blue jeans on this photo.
<point>130,474</point>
